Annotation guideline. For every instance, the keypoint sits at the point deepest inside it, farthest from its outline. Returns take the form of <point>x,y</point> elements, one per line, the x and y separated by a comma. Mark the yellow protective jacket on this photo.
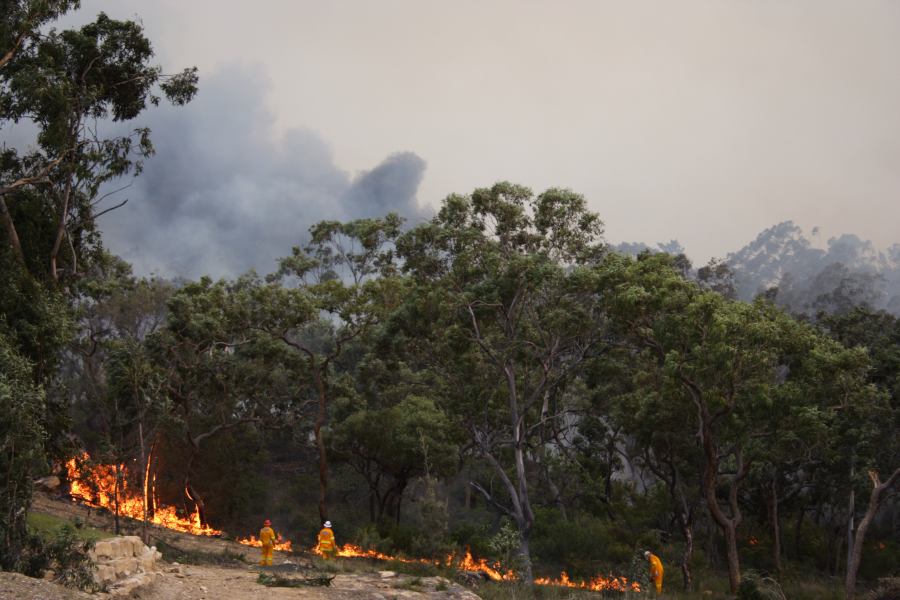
<point>656,568</point>
<point>267,536</point>
<point>326,540</point>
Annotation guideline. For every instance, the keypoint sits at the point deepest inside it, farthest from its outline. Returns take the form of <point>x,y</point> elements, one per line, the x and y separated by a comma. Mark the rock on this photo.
<point>127,587</point>
<point>124,564</point>
<point>47,484</point>
<point>102,549</point>
<point>203,589</point>
<point>387,574</point>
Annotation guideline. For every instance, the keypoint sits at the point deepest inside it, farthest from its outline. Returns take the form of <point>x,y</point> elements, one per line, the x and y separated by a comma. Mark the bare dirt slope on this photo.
<point>237,581</point>
<point>14,586</point>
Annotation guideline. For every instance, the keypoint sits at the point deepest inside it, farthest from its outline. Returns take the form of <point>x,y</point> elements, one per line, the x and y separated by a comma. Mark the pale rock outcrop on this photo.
<point>124,564</point>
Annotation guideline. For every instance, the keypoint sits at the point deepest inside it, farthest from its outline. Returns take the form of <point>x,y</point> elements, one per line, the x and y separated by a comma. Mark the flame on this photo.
<point>97,486</point>
<point>354,551</point>
<point>596,584</point>
<point>494,571</point>
<point>280,543</point>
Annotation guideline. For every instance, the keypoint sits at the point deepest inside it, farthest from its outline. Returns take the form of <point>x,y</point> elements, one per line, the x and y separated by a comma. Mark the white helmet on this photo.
<point>646,554</point>
<point>328,524</point>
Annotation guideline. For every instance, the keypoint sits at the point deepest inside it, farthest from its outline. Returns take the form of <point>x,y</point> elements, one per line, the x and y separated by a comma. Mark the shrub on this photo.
<point>66,554</point>
<point>757,587</point>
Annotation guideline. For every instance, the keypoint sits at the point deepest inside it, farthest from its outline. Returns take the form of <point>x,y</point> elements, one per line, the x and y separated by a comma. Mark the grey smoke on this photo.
<point>847,271</point>
<point>223,195</point>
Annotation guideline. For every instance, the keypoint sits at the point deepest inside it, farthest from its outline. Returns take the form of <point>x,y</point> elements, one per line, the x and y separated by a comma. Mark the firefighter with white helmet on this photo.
<point>327,546</point>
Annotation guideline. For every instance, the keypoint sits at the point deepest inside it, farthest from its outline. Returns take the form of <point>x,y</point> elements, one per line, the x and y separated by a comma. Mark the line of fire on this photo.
<point>107,487</point>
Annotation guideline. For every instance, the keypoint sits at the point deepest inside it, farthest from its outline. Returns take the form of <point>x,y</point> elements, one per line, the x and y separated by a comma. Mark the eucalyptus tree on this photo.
<point>22,439</point>
<point>324,296</point>
<point>110,384</point>
<point>70,84</point>
<point>868,442</point>
<point>217,372</point>
<point>390,446</point>
<point>503,278</point>
<point>739,374</point>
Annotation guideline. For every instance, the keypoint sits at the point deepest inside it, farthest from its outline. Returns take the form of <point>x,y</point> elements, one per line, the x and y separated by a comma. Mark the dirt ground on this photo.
<point>236,581</point>
<point>218,583</point>
<point>191,582</point>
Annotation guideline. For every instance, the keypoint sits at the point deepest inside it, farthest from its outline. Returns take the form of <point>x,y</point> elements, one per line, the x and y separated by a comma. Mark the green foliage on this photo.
<point>432,539</point>
<point>757,587</point>
<point>65,551</point>
<point>48,526</point>
<point>582,546</point>
<point>22,440</point>
<point>504,543</point>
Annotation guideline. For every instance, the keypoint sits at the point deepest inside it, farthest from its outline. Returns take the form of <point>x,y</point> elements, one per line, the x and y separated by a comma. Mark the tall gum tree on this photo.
<point>728,365</point>
<point>70,84</point>
<point>324,296</point>
<point>506,278</point>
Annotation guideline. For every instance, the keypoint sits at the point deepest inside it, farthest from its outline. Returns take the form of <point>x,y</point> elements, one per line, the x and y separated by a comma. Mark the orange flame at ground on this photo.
<point>467,563</point>
<point>354,551</point>
<point>597,584</point>
<point>494,571</point>
<point>96,486</point>
<point>280,543</point>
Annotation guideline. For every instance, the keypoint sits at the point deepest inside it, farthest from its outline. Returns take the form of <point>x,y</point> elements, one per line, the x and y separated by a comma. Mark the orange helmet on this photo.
<point>267,522</point>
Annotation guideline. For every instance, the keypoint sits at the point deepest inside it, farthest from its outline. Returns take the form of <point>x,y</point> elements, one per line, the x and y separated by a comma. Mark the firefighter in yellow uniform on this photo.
<point>327,545</point>
<point>656,570</point>
<point>267,539</point>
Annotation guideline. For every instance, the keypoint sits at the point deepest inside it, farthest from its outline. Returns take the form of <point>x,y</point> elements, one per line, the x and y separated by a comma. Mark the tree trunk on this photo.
<point>731,555</point>
<point>525,517</point>
<point>878,490</point>
<point>11,233</point>
<point>728,524</point>
<point>776,528</point>
<point>798,532</point>
<point>687,531</point>
<point>189,490</point>
<point>144,463</point>
<point>116,499</point>
<point>320,441</point>
<point>60,227</point>
<point>851,512</point>
<point>525,555</point>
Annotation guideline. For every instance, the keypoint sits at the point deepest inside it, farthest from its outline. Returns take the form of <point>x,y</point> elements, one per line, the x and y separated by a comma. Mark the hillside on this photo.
<point>225,570</point>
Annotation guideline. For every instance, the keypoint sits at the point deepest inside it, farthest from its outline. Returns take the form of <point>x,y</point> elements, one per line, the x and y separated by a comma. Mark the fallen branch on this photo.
<point>275,580</point>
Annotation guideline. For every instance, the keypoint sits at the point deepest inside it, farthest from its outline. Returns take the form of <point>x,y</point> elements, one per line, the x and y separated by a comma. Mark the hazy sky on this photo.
<point>704,121</point>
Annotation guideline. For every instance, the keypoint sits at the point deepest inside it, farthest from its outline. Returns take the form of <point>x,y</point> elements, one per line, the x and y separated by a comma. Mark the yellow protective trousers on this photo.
<point>266,559</point>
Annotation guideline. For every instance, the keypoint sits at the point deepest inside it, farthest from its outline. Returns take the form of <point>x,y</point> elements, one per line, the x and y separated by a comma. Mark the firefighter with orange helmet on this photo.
<point>656,570</point>
<point>327,545</point>
<point>267,539</point>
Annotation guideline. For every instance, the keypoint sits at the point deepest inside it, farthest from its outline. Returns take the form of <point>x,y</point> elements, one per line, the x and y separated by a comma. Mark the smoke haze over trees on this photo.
<point>223,196</point>
<point>494,377</point>
<point>805,275</point>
